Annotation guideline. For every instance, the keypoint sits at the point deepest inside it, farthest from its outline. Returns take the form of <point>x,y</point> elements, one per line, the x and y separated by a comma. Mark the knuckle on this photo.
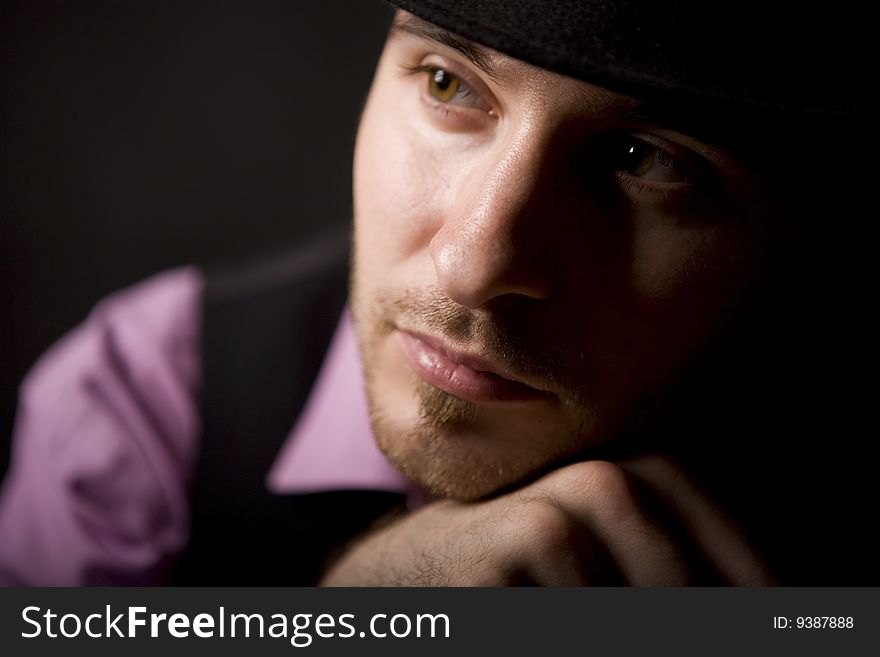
<point>611,490</point>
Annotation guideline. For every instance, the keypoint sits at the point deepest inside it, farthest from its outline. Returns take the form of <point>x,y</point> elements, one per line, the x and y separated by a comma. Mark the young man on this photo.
<point>582,233</point>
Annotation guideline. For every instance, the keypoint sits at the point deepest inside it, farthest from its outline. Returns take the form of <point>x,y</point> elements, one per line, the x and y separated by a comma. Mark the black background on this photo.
<point>135,136</point>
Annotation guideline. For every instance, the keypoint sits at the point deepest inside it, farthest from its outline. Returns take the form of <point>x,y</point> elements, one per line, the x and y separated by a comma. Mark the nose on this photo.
<point>493,240</point>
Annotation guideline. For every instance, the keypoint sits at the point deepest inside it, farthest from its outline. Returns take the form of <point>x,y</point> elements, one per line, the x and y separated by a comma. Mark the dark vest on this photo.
<point>265,332</point>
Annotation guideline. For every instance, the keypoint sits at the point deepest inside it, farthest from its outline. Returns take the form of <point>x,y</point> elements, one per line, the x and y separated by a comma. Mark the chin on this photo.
<point>466,455</point>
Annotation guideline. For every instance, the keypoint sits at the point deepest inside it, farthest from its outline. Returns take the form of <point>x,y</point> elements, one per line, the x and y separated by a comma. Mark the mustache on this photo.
<point>507,338</point>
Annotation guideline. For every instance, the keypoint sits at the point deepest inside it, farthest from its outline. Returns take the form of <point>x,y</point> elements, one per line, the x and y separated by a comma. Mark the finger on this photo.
<point>721,540</point>
<point>546,546</point>
<point>604,499</point>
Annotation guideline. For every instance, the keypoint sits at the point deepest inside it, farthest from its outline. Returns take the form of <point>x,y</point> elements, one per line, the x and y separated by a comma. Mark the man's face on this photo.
<point>536,261</point>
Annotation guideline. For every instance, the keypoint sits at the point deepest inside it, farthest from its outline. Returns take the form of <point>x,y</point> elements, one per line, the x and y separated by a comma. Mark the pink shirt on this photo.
<point>106,439</point>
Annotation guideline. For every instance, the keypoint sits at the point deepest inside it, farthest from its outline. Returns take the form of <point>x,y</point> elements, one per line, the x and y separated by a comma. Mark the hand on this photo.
<point>641,522</point>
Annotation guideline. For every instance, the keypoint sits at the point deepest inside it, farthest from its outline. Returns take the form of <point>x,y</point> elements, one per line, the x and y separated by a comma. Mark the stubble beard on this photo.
<point>451,448</point>
<point>419,449</point>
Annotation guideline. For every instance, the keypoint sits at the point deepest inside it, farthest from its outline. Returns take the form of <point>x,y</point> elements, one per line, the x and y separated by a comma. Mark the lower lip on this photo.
<point>440,371</point>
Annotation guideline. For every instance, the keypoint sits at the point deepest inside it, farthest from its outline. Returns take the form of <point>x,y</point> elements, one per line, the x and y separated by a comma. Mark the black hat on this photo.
<point>809,58</point>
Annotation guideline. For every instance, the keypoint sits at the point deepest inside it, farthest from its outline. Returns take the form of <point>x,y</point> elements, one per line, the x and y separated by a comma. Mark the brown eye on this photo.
<point>648,162</point>
<point>442,85</point>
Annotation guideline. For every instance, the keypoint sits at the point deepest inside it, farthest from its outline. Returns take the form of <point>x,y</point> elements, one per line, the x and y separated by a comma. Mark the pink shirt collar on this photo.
<point>331,446</point>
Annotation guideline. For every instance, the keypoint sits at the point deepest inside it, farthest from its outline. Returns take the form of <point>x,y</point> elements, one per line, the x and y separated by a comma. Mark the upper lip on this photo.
<point>479,362</point>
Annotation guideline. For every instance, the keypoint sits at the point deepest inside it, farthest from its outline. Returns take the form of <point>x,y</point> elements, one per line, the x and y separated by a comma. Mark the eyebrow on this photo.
<point>644,112</point>
<point>477,55</point>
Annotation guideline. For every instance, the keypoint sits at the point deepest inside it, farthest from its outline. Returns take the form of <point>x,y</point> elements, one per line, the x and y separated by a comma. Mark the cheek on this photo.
<point>399,182</point>
<point>667,263</point>
<point>687,283</point>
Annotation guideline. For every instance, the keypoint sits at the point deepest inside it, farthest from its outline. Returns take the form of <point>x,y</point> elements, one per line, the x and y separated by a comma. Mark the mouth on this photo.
<point>470,377</point>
